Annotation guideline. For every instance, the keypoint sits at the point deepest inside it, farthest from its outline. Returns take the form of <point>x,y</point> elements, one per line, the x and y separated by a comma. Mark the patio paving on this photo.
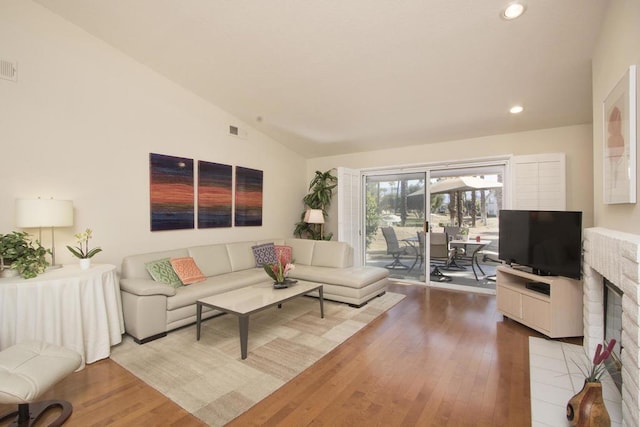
<point>377,256</point>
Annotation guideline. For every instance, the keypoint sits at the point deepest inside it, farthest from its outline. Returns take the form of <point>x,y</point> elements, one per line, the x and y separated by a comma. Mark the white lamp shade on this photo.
<point>314,216</point>
<point>44,213</point>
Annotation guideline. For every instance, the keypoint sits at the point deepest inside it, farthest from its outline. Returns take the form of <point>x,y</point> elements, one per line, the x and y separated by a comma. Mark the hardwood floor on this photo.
<point>437,358</point>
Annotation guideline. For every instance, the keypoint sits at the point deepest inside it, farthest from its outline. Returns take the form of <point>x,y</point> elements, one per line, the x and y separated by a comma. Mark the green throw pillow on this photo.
<point>162,271</point>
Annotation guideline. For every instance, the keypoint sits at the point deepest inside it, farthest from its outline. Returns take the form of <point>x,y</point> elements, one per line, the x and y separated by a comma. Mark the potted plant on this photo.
<point>587,408</point>
<point>319,197</point>
<point>18,253</point>
<point>463,234</point>
<point>82,251</point>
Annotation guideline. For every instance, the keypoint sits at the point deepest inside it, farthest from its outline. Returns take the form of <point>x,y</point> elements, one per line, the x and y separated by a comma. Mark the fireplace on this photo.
<point>616,256</point>
<point>612,304</point>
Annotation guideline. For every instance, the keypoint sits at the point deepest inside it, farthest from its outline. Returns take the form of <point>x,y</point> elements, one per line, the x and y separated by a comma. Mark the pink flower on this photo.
<point>288,268</point>
<point>277,271</point>
<point>598,368</point>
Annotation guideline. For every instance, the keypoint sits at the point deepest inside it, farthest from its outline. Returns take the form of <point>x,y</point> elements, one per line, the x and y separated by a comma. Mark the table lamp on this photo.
<point>315,216</point>
<point>32,213</point>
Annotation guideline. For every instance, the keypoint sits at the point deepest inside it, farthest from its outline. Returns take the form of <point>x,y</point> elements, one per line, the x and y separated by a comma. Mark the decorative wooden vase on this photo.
<point>587,409</point>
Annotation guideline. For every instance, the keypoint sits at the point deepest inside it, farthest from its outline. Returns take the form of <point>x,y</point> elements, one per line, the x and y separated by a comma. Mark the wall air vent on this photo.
<point>236,131</point>
<point>8,70</point>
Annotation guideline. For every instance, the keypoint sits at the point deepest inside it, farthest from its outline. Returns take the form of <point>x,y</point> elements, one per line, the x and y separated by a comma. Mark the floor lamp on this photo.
<point>315,216</point>
<point>32,213</point>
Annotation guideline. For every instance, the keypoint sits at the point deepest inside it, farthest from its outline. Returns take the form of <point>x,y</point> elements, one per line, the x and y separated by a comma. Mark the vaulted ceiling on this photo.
<point>336,76</point>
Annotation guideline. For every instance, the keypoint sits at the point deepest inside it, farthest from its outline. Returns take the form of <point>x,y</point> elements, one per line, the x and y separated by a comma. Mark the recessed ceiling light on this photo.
<point>513,10</point>
<point>516,109</point>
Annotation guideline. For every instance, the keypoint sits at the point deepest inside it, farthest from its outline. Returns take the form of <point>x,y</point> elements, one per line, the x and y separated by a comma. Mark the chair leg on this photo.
<point>441,277</point>
<point>9,415</point>
<point>396,263</point>
<point>28,414</point>
<point>418,257</point>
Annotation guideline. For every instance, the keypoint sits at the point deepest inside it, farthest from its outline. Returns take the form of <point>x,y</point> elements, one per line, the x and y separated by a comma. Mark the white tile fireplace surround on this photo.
<point>616,256</point>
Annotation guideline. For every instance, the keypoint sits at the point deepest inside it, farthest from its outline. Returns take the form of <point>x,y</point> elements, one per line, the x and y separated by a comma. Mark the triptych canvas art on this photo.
<point>172,193</point>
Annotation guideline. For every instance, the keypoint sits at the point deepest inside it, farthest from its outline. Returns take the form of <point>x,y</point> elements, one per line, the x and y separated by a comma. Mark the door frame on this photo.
<point>430,169</point>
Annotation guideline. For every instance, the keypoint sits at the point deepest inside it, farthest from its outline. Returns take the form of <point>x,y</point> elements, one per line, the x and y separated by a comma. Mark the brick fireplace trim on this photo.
<point>616,256</point>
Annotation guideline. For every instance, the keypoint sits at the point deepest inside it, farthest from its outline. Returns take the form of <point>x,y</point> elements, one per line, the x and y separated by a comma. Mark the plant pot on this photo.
<point>587,408</point>
<point>8,272</point>
<point>85,263</point>
<point>284,284</point>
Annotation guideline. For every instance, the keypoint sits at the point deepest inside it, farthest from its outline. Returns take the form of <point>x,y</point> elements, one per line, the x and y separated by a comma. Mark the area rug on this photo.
<point>210,380</point>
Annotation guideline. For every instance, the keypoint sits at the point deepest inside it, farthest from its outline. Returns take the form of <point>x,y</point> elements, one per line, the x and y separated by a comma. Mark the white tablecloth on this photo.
<point>77,309</point>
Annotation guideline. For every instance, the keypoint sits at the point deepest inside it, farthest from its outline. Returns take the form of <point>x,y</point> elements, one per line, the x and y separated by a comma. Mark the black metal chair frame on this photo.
<point>28,414</point>
<point>435,271</point>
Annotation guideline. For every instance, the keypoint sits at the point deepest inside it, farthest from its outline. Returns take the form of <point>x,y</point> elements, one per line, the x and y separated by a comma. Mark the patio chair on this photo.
<point>395,249</point>
<point>440,252</point>
<point>421,247</point>
<point>487,255</point>
<point>452,233</point>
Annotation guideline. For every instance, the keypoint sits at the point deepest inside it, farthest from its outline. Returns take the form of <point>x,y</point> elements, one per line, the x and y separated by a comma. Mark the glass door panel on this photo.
<point>394,213</point>
<point>464,206</point>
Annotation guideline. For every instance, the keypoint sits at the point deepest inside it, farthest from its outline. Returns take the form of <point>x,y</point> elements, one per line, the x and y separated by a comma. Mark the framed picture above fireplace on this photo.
<point>619,141</point>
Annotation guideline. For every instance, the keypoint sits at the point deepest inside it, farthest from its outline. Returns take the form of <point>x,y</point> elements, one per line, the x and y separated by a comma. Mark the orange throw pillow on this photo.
<point>187,270</point>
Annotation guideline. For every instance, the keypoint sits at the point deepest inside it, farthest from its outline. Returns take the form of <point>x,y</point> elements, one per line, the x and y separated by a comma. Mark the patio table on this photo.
<point>475,246</point>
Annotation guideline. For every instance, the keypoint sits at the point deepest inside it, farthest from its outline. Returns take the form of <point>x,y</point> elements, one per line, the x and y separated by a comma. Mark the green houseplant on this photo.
<point>319,197</point>
<point>463,233</point>
<point>19,252</point>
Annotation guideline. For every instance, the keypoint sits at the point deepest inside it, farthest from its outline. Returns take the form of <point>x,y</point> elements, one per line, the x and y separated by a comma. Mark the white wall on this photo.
<point>81,121</point>
<point>618,47</point>
<point>575,141</point>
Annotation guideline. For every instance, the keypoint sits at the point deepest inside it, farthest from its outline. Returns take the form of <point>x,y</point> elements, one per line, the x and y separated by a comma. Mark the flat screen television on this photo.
<point>549,242</point>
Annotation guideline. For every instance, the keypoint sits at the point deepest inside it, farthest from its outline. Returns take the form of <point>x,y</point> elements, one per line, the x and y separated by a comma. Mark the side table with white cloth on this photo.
<point>73,308</point>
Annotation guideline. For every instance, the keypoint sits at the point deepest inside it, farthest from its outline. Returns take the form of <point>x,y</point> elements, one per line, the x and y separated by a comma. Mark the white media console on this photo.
<point>521,296</point>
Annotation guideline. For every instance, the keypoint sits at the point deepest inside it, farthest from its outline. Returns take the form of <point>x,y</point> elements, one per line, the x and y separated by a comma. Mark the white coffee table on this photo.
<point>252,299</point>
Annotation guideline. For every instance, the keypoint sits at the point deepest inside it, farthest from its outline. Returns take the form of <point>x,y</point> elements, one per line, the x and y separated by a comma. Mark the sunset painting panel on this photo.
<point>248,197</point>
<point>214,195</point>
<point>171,192</point>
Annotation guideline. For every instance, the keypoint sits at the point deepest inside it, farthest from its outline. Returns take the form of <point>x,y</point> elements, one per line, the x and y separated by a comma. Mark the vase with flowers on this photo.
<point>82,251</point>
<point>279,272</point>
<point>587,408</point>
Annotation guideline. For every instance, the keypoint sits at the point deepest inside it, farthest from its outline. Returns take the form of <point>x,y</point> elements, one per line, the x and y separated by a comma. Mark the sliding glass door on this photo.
<point>394,216</point>
<point>435,224</point>
<point>464,209</point>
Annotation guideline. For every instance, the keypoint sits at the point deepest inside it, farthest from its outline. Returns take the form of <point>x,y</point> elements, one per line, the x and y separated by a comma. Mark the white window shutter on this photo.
<point>539,182</point>
<point>349,217</point>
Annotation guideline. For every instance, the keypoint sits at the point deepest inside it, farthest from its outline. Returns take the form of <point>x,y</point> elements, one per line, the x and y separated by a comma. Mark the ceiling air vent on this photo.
<point>236,131</point>
<point>8,70</point>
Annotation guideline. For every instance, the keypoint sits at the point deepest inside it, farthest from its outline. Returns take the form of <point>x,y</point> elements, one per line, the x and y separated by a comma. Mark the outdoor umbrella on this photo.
<point>458,184</point>
<point>462,183</point>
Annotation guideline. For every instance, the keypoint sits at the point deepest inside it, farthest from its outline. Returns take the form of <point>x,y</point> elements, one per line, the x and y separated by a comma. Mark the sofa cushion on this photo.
<point>162,271</point>
<point>212,259</point>
<point>188,295</point>
<point>187,270</point>
<point>301,250</point>
<point>133,265</point>
<point>353,277</point>
<point>241,255</point>
<point>331,254</point>
<point>264,254</point>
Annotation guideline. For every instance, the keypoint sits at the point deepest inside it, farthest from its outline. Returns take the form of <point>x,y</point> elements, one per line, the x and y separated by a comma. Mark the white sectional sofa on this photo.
<point>152,308</point>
